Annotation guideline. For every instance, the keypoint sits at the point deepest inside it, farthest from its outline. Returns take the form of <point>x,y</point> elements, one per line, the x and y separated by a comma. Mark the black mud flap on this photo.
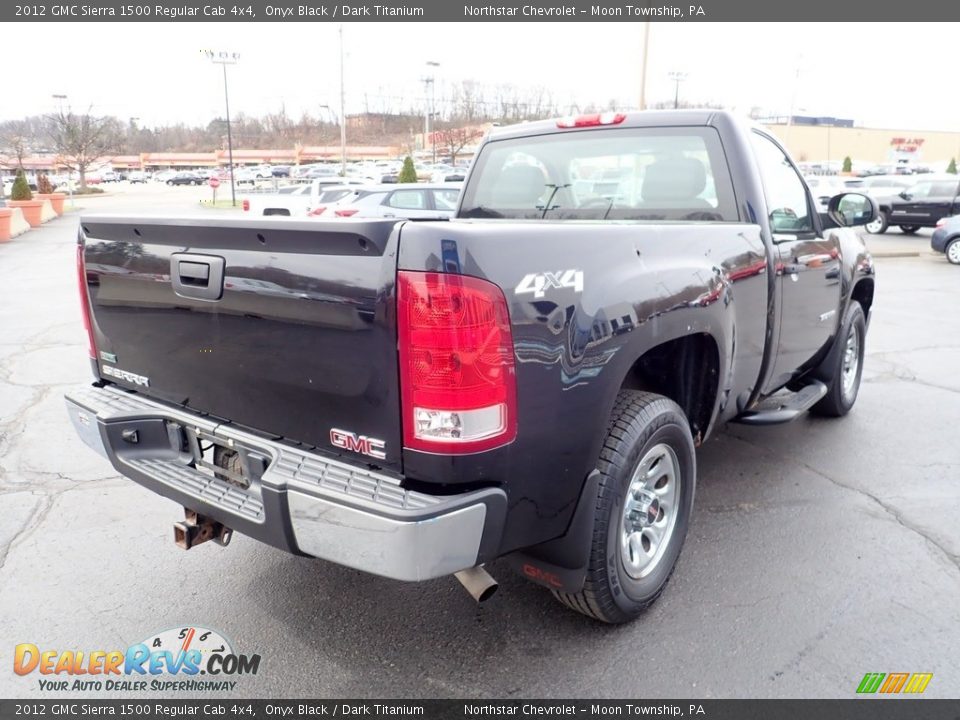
<point>561,564</point>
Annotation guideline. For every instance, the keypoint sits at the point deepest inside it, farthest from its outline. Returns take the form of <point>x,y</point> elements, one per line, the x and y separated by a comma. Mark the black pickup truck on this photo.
<point>528,380</point>
<point>924,204</point>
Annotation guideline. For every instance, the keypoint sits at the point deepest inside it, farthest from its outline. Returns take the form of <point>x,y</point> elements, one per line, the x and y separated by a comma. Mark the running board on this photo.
<point>779,409</point>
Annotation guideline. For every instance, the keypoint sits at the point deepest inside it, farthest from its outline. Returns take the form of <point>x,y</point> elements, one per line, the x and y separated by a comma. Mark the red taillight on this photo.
<point>346,212</point>
<point>318,210</point>
<point>246,205</point>
<point>579,121</point>
<point>457,377</point>
<point>85,303</point>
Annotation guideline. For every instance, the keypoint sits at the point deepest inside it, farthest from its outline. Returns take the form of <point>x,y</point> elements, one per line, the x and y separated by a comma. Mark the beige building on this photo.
<point>868,146</point>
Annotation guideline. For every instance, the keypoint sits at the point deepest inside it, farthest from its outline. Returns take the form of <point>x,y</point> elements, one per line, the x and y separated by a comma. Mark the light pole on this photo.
<point>343,114</point>
<point>677,77</point>
<point>224,59</point>
<point>643,66</point>
<point>430,113</point>
<point>60,99</point>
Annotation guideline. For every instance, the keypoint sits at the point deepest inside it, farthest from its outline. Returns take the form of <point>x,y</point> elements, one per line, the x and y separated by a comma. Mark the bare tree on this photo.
<point>454,139</point>
<point>15,140</point>
<point>81,140</point>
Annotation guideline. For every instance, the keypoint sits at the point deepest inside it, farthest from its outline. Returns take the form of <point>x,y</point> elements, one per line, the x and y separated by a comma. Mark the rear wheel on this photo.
<point>879,224</point>
<point>647,480</point>
<point>909,229</point>
<point>952,251</point>
<point>844,383</point>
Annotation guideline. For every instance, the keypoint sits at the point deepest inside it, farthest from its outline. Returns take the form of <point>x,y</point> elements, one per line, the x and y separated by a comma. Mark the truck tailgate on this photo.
<point>282,326</point>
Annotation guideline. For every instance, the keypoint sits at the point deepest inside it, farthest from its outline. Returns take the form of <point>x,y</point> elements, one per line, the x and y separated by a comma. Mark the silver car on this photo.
<point>420,201</point>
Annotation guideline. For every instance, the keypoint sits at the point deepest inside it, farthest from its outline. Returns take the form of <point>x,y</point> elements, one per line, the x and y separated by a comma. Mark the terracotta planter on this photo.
<point>5,214</point>
<point>31,210</point>
<point>56,199</point>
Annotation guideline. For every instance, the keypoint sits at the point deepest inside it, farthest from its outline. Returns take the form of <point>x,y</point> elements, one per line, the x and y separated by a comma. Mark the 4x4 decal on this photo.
<point>537,283</point>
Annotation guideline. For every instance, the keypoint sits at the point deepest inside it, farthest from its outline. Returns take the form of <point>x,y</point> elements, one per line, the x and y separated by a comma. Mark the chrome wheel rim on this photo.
<point>874,226</point>
<point>650,511</point>
<point>851,362</point>
<point>953,252</point>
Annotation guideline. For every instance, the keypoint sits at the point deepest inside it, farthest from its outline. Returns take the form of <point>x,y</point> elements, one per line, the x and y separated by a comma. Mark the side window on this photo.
<point>944,189</point>
<point>446,199</point>
<point>408,200</point>
<point>784,189</point>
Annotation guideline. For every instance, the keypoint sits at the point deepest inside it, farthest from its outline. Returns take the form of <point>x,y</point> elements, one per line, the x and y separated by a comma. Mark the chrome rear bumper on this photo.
<point>302,502</point>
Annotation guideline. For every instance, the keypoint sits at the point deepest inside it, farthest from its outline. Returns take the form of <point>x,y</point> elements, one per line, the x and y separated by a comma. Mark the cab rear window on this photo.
<point>654,174</point>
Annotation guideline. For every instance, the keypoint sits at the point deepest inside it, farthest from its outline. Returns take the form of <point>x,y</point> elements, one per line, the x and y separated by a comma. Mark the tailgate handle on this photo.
<point>192,273</point>
<point>197,276</point>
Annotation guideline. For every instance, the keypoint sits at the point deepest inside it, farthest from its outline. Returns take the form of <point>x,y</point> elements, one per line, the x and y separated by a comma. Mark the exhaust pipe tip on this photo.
<point>478,582</point>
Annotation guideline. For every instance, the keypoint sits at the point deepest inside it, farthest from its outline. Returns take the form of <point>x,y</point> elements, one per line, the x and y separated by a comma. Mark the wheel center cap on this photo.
<point>647,510</point>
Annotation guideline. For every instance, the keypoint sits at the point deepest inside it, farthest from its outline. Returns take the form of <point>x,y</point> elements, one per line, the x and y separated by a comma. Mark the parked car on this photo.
<point>824,187</point>
<point>245,176</point>
<point>320,171</point>
<point>528,381</point>
<point>280,171</point>
<point>448,174</point>
<point>419,201</point>
<point>298,200</point>
<point>185,178</point>
<point>923,204</point>
<point>946,238</point>
<point>164,175</point>
<point>137,176</point>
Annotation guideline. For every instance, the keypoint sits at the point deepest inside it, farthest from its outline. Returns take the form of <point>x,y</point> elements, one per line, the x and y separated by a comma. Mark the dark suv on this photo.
<point>920,205</point>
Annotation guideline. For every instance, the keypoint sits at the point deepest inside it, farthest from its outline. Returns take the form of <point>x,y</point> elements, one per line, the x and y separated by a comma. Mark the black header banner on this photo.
<point>213,709</point>
<point>479,10</point>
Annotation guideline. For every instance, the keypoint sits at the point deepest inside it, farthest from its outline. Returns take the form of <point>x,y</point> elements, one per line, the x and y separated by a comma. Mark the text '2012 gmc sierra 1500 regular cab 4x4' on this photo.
<point>528,380</point>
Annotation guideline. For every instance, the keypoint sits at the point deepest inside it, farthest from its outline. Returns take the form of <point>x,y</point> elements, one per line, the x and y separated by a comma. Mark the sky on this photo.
<point>157,72</point>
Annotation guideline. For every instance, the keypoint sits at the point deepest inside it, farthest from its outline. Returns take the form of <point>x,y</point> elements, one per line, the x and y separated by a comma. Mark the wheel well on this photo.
<point>686,370</point>
<point>863,294</point>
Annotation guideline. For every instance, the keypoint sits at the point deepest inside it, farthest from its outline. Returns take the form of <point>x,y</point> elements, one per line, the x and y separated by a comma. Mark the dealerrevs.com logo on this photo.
<point>179,659</point>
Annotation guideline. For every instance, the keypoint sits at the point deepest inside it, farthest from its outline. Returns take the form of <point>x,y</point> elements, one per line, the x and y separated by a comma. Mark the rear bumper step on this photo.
<point>299,501</point>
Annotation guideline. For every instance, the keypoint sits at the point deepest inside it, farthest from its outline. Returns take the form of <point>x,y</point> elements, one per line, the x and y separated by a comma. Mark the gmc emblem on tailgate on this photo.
<point>358,443</point>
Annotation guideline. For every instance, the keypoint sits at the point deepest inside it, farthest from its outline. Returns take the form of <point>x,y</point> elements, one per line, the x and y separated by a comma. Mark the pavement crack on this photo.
<point>34,521</point>
<point>47,501</point>
<point>952,558</point>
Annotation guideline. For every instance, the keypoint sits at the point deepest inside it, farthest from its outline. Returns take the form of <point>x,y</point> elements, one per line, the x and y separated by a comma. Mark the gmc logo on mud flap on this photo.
<point>358,443</point>
<point>541,576</point>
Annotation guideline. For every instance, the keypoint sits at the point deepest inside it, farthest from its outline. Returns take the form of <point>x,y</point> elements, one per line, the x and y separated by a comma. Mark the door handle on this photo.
<point>195,276</point>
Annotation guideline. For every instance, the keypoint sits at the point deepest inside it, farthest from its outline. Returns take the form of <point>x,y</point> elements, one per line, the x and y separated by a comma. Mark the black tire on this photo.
<point>639,423</point>
<point>879,225</point>
<point>170,182</point>
<point>952,251</point>
<point>909,229</point>
<point>839,400</point>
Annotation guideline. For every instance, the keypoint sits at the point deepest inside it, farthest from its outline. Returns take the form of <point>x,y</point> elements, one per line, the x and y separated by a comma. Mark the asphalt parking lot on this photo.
<point>819,551</point>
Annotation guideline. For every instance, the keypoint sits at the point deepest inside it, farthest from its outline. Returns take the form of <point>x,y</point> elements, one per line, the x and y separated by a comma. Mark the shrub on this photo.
<point>44,186</point>
<point>21,189</point>
<point>847,164</point>
<point>408,174</point>
<point>952,167</point>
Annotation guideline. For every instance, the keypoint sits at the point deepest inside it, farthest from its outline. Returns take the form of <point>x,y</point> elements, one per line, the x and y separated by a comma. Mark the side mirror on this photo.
<point>851,209</point>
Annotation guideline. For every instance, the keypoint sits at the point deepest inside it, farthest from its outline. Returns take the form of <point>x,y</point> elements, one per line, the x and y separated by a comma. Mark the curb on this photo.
<point>895,254</point>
